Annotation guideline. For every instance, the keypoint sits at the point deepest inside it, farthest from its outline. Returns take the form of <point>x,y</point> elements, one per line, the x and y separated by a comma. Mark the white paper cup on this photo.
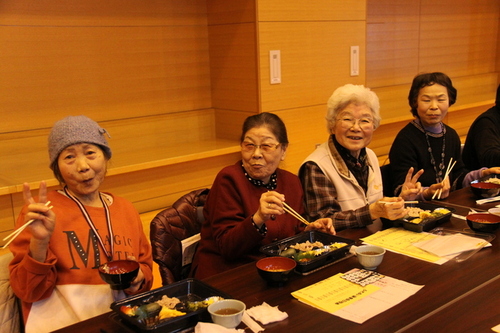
<point>227,312</point>
<point>370,256</point>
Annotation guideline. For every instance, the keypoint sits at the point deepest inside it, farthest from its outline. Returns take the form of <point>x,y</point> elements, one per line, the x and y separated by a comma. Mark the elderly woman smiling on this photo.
<point>244,209</point>
<point>341,178</point>
<point>54,270</point>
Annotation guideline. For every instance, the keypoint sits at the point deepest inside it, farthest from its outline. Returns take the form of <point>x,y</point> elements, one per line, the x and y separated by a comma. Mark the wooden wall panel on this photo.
<point>392,42</point>
<point>142,59</point>
<point>459,37</point>
<point>6,217</point>
<point>102,13</point>
<point>312,10</point>
<point>231,12</point>
<point>228,123</point>
<point>233,66</point>
<point>306,127</point>
<point>105,73</point>
<point>315,60</point>
<point>409,37</point>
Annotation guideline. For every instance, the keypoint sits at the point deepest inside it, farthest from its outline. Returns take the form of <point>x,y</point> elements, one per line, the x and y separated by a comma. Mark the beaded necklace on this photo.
<point>439,172</point>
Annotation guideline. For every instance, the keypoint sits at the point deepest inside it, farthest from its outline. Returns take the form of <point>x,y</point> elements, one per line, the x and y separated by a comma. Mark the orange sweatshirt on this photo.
<point>67,288</point>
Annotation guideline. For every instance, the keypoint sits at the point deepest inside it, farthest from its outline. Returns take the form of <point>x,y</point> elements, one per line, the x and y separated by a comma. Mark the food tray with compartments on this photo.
<point>425,224</point>
<point>323,260</point>
<point>188,290</point>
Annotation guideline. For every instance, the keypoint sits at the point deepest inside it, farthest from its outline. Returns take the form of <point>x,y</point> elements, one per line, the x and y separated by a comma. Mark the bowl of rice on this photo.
<point>119,274</point>
<point>486,187</point>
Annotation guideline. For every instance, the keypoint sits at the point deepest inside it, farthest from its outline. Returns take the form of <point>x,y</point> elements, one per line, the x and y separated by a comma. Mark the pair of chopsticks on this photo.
<point>448,170</point>
<point>290,210</point>
<point>406,202</point>
<point>16,233</point>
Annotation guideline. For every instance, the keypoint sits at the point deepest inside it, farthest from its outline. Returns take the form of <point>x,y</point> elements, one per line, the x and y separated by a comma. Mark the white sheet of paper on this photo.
<point>451,244</point>
<point>392,291</point>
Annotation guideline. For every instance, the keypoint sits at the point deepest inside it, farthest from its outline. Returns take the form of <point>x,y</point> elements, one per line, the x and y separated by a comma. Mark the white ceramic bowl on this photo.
<point>227,312</point>
<point>370,256</point>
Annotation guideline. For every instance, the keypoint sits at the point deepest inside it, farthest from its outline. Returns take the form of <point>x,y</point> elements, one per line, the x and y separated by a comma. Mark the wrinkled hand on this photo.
<point>389,208</point>
<point>270,204</point>
<point>137,282</point>
<point>445,190</point>
<point>44,218</point>
<point>411,188</point>
<point>490,171</point>
<point>324,225</point>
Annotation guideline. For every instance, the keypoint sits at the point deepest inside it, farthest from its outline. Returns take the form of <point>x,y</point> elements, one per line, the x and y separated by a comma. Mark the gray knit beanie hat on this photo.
<point>75,129</point>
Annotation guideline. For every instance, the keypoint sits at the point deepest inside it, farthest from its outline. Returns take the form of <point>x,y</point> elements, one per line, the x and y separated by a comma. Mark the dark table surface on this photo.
<point>453,293</point>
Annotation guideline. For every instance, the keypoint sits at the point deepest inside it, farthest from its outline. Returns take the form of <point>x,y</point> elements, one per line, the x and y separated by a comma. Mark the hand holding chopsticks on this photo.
<point>447,173</point>
<point>18,231</point>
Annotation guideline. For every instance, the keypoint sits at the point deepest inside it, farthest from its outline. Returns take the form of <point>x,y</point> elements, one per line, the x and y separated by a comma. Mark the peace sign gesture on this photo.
<point>44,220</point>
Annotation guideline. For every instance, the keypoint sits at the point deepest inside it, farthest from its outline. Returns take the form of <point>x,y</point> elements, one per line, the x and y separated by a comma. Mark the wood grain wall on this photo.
<point>405,38</point>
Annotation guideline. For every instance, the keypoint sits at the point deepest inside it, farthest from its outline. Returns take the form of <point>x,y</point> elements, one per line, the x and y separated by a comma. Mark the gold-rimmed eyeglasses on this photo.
<point>348,122</point>
<point>265,147</point>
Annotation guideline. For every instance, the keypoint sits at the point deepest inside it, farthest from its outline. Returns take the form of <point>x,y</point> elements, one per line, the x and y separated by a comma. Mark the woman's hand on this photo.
<point>44,221</point>
<point>411,188</point>
<point>444,187</point>
<point>136,284</point>
<point>490,171</point>
<point>389,208</point>
<point>270,204</point>
<point>324,225</point>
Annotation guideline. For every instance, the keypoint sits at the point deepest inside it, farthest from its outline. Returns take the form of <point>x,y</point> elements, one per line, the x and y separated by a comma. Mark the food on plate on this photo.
<point>303,252</point>
<point>193,306</point>
<point>168,302</point>
<point>418,215</point>
<point>170,313</point>
<point>165,308</point>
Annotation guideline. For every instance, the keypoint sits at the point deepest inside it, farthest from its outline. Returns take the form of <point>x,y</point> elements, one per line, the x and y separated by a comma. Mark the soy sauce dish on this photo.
<point>483,222</point>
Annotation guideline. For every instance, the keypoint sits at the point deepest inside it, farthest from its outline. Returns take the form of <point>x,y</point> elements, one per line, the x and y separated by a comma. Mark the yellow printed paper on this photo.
<point>333,293</point>
<point>401,241</point>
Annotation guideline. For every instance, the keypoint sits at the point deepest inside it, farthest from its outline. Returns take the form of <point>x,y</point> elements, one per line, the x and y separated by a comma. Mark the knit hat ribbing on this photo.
<point>75,129</point>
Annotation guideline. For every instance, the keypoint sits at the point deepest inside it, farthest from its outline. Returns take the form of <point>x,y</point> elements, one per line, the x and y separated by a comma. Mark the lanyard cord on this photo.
<point>109,255</point>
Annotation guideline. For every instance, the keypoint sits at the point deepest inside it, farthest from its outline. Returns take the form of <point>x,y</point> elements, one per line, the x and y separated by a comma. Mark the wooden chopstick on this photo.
<point>448,170</point>
<point>290,210</point>
<point>20,229</point>
<point>406,202</point>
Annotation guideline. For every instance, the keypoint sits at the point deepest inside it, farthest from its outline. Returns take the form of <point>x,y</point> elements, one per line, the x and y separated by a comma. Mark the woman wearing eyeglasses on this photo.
<point>341,178</point>
<point>244,209</point>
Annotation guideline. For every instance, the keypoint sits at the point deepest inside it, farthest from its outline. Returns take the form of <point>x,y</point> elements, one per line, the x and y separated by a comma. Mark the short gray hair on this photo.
<point>347,94</point>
